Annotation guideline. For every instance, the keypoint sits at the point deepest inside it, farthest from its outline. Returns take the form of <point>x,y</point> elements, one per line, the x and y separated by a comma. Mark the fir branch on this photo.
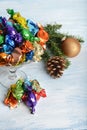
<point>76,37</point>
<point>54,42</point>
<point>68,63</point>
<point>51,29</point>
<point>55,50</point>
<point>45,56</point>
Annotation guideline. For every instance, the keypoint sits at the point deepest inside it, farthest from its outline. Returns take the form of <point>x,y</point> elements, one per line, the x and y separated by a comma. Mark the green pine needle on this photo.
<point>54,42</point>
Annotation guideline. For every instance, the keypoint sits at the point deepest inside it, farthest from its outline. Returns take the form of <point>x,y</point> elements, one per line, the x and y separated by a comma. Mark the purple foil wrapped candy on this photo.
<point>18,39</point>
<point>4,20</point>
<point>11,31</point>
<point>30,101</point>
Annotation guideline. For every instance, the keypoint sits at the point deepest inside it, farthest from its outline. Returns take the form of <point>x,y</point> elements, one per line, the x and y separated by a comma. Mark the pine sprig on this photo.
<point>46,56</point>
<point>54,42</point>
<point>55,50</point>
<point>53,31</point>
<point>52,28</point>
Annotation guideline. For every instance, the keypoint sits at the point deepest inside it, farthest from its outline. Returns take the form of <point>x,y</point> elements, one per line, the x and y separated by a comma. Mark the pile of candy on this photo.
<point>27,91</point>
<point>21,40</point>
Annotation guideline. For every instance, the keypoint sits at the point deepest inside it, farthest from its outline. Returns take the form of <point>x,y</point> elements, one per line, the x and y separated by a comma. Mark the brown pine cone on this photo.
<point>56,66</point>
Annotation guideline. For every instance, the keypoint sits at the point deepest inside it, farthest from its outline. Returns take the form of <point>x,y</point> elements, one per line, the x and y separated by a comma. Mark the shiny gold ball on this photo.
<point>71,47</point>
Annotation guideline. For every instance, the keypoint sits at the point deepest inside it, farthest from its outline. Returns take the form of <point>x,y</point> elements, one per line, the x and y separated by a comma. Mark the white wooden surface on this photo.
<point>65,107</point>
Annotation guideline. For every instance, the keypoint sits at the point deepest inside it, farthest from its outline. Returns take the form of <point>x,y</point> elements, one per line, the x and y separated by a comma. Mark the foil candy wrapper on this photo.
<point>25,91</point>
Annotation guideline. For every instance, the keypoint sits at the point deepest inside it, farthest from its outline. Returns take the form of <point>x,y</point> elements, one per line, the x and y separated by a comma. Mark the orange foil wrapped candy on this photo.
<point>1,32</point>
<point>9,59</point>
<point>27,47</point>
<point>11,101</point>
<point>3,59</point>
<point>43,44</point>
<point>16,54</point>
<point>43,35</point>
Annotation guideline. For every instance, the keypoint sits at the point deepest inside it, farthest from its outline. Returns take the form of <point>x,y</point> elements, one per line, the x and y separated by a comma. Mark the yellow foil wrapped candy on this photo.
<point>21,20</point>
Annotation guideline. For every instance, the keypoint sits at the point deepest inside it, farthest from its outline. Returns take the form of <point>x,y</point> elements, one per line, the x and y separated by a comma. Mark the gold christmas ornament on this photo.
<point>71,47</point>
<point>56,66</point>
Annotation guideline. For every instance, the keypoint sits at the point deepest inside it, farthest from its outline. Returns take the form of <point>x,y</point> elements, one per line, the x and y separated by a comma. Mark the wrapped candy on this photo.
<point>14,94</point>
<point>10,100</point>
<point>24,90</point>
<point>1,32</point>
<point>3,59</point>
<point>18,91</point>
<point>27,85</point>
<point>33,28</point>
<point>39,92</point>
<point>43,35</point>
<point>38,52</point>
<point>26,34</point>
<point>20,39</point>
<point>29,55</point>
<point>11,31</point>
<point>9,59</point>
<point>22,59</point>
<point>21,20</point>
<point>26,47</point>
<point>33,93</point>
<point>30,101</point>
<point>11,12</point>
<point>1,23</point>
<point>1,49</point>
<point>36,86</point>
<point>16,54</point>
<point>7,48</point>
<point>1,39</point>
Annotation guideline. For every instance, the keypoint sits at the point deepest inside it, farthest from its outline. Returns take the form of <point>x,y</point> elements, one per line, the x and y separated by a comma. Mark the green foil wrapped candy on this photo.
<point>18,91</point>
<point>1,39</point>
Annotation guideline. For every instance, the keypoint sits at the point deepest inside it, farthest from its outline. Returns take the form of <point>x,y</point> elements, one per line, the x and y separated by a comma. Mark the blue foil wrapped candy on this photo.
<point>27,85</point>
<point>7,49</point>
<point>29,55</point>
<point>33,28</point>
<point>9,41</point>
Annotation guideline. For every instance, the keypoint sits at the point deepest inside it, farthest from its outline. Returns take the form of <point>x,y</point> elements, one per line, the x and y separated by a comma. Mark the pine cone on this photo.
<point>56,66</point>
